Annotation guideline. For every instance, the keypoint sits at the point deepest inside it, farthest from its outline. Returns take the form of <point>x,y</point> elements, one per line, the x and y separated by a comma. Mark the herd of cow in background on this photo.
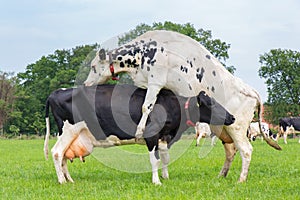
<point>204,92</point>
<point>288,126</point>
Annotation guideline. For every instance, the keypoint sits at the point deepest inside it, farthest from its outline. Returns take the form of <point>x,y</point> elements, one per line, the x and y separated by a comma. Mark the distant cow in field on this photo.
<point>254,131</point>
<point>203,130</point>
<point>115,110</point>
<point>287,126</point>
<point>166,59</point>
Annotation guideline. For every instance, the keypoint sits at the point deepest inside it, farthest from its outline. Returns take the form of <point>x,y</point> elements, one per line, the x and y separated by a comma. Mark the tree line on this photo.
<point>23,95</point>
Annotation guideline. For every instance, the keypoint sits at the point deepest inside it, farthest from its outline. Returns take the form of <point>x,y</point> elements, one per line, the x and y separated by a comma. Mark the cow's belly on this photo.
<point>221,133</point>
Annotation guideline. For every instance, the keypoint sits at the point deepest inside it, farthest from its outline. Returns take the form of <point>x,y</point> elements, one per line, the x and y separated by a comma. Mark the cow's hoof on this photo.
<point>157,183</point>
<point>62,180</point>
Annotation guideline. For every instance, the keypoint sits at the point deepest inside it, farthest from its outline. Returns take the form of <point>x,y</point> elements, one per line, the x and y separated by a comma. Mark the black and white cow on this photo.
<point>254,131</point>
<point>203,130</point>
<point>166,59</point>
<point>288,125</point>
<point>116,110</point>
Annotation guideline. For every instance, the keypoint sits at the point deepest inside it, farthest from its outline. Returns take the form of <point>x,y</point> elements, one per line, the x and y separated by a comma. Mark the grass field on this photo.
<point>273,174</point>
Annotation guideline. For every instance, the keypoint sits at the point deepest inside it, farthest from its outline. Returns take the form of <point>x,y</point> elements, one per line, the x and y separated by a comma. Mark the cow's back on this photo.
<point>192,68</point>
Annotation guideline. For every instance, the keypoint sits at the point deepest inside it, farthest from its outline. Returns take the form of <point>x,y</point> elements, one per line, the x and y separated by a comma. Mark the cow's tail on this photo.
<point>46,142</point>
<point>271,142</point>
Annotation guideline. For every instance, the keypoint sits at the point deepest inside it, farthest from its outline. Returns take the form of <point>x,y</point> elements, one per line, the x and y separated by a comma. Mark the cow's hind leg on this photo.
<point>66,171</point>
<point>245,149</point>
<point>165,158</point>
<point>230,152</point>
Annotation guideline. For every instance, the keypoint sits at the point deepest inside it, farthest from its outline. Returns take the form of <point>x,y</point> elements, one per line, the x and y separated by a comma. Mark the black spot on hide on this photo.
<point>207,56</point>
<point>150,107</point>
<point>199,75</point>
<point>213,89</point>
<point>136,50</point>
<point>162,49</point>
<point>119,58</point>
<point>190,87</point>
<point>128,61</point>
<point>143,62</point>
<point>214,73</point>
<point>152,62</point>
<point>150,53</point>
<point>122,64</point>
<point>184,69</point>
<point>94,69</point>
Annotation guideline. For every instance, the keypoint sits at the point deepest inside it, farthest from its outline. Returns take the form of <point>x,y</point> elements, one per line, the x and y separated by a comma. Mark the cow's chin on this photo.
<point>79,148</point>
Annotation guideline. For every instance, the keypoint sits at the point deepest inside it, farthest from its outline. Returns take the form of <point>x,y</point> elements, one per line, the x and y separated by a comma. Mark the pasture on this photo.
<point>273,174</point>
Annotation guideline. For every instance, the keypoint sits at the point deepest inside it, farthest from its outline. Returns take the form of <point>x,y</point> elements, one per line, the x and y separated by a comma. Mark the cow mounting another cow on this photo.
<point>166,59</point>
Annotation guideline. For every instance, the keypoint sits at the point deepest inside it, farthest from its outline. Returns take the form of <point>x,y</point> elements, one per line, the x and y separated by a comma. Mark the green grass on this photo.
<point>26,175</point>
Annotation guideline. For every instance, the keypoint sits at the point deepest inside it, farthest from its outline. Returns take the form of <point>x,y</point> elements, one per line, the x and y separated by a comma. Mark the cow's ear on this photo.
<point>102,55</point>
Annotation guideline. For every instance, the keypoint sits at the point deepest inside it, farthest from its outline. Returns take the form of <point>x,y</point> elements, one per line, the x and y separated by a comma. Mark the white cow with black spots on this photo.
<point>166,59</point>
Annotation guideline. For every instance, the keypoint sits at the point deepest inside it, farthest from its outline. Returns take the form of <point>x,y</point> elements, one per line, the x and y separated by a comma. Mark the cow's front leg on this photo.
<point>230,152</point>
<point>154,160</point>
<point>147,107</point>
<point>165,158</point>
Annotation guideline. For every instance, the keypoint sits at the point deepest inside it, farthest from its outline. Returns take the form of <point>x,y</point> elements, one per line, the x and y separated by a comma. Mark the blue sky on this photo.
<point>33,28</point>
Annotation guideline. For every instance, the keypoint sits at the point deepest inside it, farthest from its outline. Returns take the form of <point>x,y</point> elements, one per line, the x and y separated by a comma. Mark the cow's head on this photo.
<point>212,112</point>
<point>100,69</point>
<point>108,65</point>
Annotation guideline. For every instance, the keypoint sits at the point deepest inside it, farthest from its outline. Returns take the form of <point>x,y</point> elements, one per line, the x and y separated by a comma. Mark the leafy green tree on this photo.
<point>58,70</point>
<point>281,69</point>
<point>14,129</point>
<point>7,97</point>
<point>218,48</point>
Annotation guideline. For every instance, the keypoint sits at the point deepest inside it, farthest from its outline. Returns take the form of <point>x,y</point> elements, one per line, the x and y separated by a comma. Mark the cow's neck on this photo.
<point>131,71</point>
<point>190,111</point>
